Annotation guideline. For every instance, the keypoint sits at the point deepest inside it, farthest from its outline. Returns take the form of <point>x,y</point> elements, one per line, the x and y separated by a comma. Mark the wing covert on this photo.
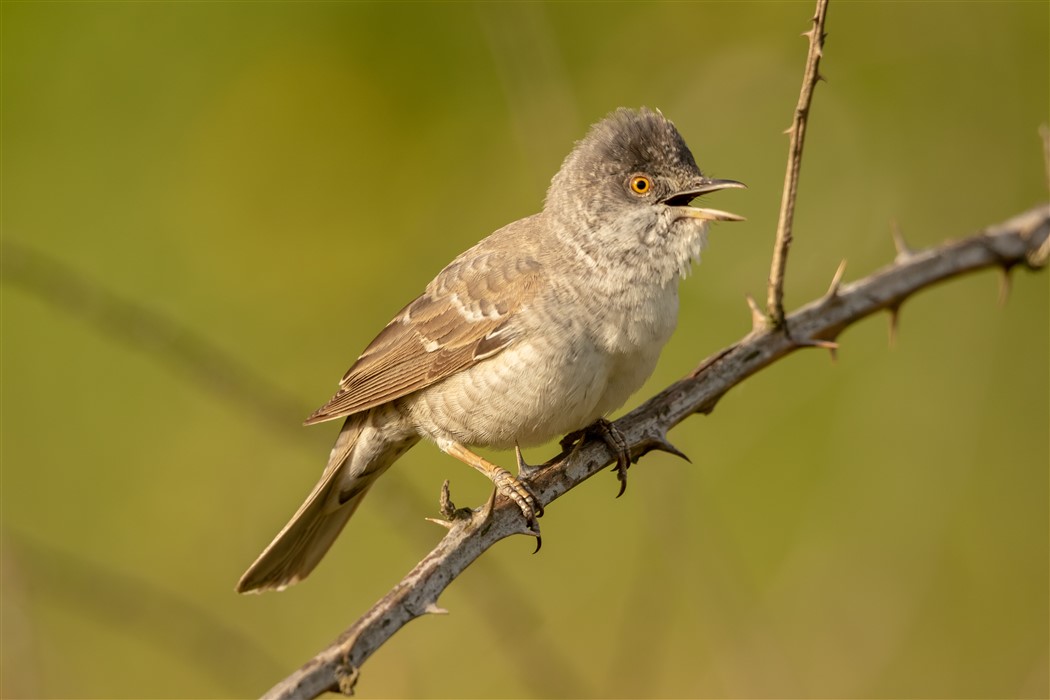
<point>465,316</point>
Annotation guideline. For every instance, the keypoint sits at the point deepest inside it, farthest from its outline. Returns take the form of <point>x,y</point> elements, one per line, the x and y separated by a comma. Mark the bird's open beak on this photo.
<point>683,198</point>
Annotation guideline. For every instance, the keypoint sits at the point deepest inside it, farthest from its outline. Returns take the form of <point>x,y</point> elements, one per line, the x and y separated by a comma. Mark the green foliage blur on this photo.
<point>278,179</point>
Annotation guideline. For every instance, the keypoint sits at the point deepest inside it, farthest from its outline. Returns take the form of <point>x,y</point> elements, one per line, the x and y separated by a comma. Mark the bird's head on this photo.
<point>634,165</point>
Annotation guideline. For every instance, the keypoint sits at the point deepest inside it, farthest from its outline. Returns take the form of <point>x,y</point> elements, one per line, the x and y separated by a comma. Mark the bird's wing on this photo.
<point>464,317</point>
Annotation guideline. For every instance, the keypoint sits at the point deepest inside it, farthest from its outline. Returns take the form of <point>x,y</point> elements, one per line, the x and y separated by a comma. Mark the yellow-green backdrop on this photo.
<point>278,179</point>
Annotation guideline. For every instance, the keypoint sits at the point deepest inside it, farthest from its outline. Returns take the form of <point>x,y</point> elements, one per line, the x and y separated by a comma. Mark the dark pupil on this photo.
<point>640,185</point>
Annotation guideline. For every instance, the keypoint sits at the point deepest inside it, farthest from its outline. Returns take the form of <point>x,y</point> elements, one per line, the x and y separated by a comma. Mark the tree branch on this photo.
<point>797,130</point>
<point>1022,240</point>
<point>212,370</point>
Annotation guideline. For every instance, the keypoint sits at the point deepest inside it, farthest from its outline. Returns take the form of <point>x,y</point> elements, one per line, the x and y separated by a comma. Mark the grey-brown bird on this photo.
<point>541,329</point>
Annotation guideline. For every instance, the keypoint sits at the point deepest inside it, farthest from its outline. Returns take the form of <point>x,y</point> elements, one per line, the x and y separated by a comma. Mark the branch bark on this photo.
<point>1022,240</point>
<point>797,131</point>
<point>212,370</point>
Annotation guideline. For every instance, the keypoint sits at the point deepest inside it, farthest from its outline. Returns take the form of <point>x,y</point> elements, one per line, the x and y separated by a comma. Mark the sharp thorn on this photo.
<point>485,514</point>
<point>895,313</point>
<point>759,322</point>
<point>818,343</point>
<point>525,470</point>
<point>829,345</point>
<point>447,524</point>
<point>1037,258</point>
<point>1004,285</point>
<point>836,282</point>
<point>903,251</point>
<point>433,609</point>
<point>662,444</point>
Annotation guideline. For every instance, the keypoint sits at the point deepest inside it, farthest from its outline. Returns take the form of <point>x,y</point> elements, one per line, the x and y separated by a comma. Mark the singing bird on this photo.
<point>539,330</point>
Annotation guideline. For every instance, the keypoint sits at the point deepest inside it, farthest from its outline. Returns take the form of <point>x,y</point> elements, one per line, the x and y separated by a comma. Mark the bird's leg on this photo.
<point>611,436</point>
<point>506,483</point>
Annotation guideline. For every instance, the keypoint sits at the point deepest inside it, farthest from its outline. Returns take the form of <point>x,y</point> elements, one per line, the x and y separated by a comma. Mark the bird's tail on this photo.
<point>361,453</point>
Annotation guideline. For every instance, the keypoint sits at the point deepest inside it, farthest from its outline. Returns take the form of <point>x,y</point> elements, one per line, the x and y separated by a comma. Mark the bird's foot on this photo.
<point>514,488</point>
<point>611,436</point>
<point>518,491</point>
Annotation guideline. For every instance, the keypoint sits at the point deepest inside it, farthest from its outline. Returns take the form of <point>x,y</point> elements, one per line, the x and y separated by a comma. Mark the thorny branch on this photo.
<point>797,130</point>
<point>216,372</point>
<point>1022,240</point>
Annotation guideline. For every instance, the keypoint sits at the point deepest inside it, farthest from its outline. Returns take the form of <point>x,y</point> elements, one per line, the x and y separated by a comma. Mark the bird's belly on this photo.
<point>527,395</point>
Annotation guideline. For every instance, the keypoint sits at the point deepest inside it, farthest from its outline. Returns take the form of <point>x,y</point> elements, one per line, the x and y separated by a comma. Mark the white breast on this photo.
<point>561,376</point>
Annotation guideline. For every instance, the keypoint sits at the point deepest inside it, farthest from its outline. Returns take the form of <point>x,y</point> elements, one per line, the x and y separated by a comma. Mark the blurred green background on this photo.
<point>280,178</point>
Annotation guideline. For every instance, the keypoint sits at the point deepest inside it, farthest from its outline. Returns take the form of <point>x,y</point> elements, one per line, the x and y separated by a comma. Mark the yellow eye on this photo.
<point>640,184</point>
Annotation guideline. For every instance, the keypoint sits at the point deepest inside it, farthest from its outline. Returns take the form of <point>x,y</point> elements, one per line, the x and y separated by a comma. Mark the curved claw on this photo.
<point>527,471</point>
<point>518,491</point>
<point>510,486</point>
<point>535,532</point>
<point>616,441</point>
<point>612,437</point>
<point>572,441</point>
<point>484,514</point>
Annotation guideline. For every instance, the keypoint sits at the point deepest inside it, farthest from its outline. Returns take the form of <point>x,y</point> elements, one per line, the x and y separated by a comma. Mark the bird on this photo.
<point>539,330</point>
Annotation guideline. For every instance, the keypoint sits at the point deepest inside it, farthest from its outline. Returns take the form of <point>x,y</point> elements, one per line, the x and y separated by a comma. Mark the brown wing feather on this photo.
<point>463,317</point>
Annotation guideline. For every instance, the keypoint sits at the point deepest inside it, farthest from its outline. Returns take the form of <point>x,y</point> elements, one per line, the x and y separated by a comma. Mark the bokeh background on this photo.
<point>260,186</point>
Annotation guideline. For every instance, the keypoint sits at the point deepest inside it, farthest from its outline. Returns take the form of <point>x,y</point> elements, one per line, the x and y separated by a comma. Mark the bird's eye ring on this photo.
<point>640,185</point>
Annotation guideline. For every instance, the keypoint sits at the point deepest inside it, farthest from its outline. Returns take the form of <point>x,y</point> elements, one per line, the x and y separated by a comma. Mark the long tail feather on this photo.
<point>360,455</point>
